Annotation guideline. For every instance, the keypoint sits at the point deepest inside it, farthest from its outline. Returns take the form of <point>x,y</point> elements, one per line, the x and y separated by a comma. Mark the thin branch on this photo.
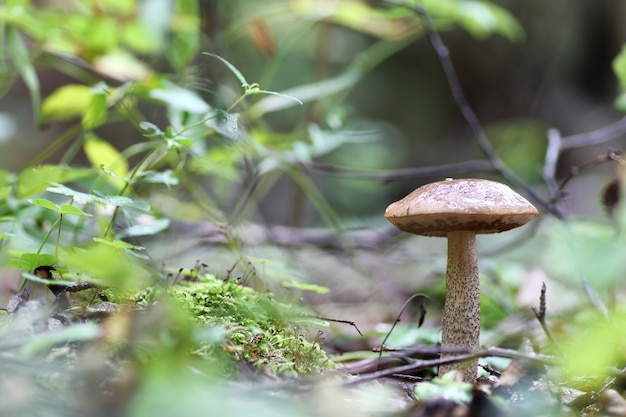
<point>459,97</point>
<point>397,320</point>
<point>417,366</point>
<point>425,364</point>
<point>610,155</point>
<point>553,152</point>
<point>255,234</point>
<point>351,323</point>
<point>595,137</point>
<point>400,174</point>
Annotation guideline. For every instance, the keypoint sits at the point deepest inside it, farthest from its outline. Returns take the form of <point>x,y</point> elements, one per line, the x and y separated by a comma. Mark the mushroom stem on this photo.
<point>461,314</point>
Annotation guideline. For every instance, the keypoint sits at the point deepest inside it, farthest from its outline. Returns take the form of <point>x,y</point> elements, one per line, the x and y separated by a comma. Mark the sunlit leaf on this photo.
<point>35,278</point>
<point>42,202</point>
<point>303,286</point>
<point>30,261</point>
<point>140,37</point>
<point>122,66</point>
<point>81,198</point>
<point>69,209</point>
<point>20,264</point>
<point>619,67</point>
<point>127,202</point>
<point>596,347</point>
<point>167,178</point>
<point>95,113</point>
<point>66,102</point>
<point>102,153</point>
<point>386,23</point>
<point>120,244</point>
<point>481,19</point>
<point>95,265</point>
<point>37,179</point>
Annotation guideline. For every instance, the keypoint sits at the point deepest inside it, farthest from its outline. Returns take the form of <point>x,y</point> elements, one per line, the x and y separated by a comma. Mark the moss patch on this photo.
<point>258,329</point>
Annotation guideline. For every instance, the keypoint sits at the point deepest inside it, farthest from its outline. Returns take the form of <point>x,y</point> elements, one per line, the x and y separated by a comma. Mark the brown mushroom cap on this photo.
<point>476,205</point>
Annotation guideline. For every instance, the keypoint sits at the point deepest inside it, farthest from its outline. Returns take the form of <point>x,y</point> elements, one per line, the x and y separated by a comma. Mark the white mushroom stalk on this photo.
<point>459,209</point>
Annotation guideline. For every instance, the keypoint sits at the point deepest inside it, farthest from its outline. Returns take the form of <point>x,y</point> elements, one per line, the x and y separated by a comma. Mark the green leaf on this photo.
<point>20,264</point>
<point>105,265</point>
<point>30,261</point>
<point>96,112</point>
<point>395,23</point>
<point>120,244</point>
<point>35,278</point>
<point>122,66</point>
<point>101,153</point>
<point>482,19</point>
<point>20,54</point>
<point>139,37</point>
<point>82,198</point>
<point>306,287</point>
<point>69,209</point>
<point>42,202</point>
<point>122,201</point>
<point>167,178</point>
<point>38,259</point>
<point>444,387</point>
<point>595,346</point>
<point>113,175</point>
<point>151,128</point>
<point>66,102</point>
<point>619,67</point>
<point>37,179</point>
<point>231,67</point>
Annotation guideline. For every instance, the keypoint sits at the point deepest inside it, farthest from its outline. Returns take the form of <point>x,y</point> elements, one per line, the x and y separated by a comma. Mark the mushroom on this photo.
<point>459,209</point>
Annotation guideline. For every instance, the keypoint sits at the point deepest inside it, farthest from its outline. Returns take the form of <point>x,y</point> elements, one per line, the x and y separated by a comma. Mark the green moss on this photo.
<point>258,329</point>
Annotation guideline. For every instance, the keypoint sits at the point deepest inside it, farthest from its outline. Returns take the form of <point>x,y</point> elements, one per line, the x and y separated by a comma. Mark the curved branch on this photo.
<point>595,137</point>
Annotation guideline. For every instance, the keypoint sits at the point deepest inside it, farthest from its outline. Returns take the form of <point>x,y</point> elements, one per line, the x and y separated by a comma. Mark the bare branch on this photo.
<point>424,364</point>
<point>553,152</point>
<point>596,137</point>
<point>255,234</point>
<point>401,174</point>
<point>611,155</point>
